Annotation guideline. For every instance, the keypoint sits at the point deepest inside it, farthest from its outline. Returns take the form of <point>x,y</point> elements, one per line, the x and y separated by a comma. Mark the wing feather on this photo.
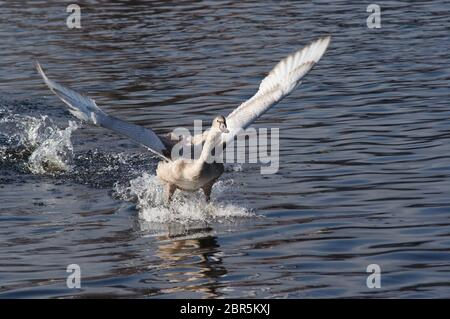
<point>281,81</point>
<point>85,108</point>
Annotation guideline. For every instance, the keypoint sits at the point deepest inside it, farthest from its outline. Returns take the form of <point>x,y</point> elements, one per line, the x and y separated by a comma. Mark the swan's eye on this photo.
<point>223,128</point>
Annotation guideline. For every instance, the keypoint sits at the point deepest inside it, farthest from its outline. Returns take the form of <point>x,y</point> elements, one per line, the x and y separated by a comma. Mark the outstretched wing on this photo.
<point>85,108</point>
<point>281,81</point>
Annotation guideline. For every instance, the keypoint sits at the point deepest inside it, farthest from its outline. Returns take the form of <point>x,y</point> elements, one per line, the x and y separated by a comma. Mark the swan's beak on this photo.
<point>223,128</point>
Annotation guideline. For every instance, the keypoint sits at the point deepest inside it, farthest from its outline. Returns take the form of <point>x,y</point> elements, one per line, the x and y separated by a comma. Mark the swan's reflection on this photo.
<point>191,259</point>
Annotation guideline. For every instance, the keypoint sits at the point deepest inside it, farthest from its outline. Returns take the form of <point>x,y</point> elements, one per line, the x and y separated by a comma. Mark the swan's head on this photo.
<point>220,124</point>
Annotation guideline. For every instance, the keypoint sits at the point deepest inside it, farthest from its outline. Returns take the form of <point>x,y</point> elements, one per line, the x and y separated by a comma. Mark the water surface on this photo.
<point>364,157</point>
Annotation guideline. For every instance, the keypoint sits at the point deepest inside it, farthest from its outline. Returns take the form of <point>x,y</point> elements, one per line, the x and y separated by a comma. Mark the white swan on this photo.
<point>193,174</point>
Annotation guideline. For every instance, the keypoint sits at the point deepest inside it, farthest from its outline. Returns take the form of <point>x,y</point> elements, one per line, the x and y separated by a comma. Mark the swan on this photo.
<point>193,174</point>
<point>199,173</point>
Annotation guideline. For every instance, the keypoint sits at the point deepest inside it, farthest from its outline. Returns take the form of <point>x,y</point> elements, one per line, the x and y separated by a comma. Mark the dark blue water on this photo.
<point>364,172</point>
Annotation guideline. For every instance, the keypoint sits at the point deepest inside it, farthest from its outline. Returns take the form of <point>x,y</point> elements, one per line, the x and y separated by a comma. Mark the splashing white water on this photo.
<point>19,131</point>
<point>54,153</point>
<point>148,193</point>
<point>50,147</point>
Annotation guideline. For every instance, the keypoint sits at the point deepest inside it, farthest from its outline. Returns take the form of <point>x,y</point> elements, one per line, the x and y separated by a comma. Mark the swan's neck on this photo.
<point>211,142</point>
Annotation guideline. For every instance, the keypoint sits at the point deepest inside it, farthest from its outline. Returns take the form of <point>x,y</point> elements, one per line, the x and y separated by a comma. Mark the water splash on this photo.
<point>185,208</point>
<point>47,147</point>
<point>38,145</point>
<point>234,167</point>
<point>17,133</point>
<point>55,153</point>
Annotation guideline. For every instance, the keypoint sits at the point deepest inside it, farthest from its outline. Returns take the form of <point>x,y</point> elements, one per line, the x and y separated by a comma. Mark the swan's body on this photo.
<point>193,174</point>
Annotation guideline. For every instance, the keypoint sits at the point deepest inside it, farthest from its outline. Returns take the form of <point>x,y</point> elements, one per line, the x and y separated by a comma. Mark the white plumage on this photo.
<point>85,109</point>
<point>281,81</point>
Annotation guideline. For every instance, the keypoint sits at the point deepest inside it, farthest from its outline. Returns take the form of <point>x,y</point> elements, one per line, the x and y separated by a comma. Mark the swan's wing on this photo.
<point>87,110</point>
<point>281,81</point>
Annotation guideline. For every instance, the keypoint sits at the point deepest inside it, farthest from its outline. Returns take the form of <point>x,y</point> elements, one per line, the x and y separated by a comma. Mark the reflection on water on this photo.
<point>202,255</point>
<point>364,151</point>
